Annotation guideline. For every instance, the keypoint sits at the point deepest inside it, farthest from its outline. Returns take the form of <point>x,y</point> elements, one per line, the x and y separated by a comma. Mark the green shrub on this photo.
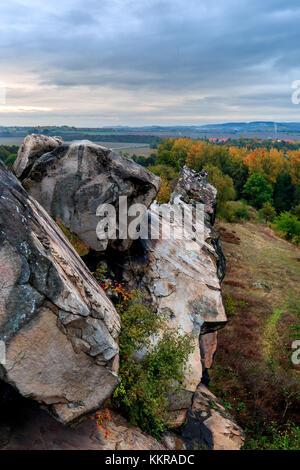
<point>289,225</point>
<point>296,211</point>
<point>142,393</point>
<point>275,437</point>
<point>267,212</point>
<point>231,305</point>
<point>242,213</point>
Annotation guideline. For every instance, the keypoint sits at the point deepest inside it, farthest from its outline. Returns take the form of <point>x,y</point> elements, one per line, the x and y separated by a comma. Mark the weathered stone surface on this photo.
<point>191,186</point>
<point>73,180</point>
<point>178,404</point>
<point>209,424</point>
<point>33,147</point>
<point>208,347</point>
<point>173,442</point>
<point>34,429</point>
<point>176,418</point>
<point>59,327</point>
<point>181,274</point>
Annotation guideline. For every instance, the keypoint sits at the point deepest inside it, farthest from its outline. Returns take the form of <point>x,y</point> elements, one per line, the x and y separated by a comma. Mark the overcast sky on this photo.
<point>148,62</point>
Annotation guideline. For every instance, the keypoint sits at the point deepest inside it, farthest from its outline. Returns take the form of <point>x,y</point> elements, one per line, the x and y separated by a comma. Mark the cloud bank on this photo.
<point>94,63</point>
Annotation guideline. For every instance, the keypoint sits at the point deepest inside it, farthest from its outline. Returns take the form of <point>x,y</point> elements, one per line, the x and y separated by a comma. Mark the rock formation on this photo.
<point>32,148</point>
<point>59,328</point>
<point>179,271</point>
<point>209,425</point>
<point>36,430</point>
<point>73,180</point>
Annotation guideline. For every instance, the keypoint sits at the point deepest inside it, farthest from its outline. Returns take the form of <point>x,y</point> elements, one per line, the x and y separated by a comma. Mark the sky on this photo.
<point>148,62</point>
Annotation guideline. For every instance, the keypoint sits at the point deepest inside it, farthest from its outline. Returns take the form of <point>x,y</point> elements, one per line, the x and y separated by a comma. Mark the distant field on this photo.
<point>125,147</point>
<point>11,140</point>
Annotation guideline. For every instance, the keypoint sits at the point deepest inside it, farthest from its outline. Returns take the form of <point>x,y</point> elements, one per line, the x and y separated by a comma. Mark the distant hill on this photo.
<point>153,134</point>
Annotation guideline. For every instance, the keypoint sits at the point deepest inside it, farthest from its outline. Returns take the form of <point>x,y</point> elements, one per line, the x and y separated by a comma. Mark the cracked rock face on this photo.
<point>33,147</point>
<point>210,423</point>
<point>181,275</point>
<point>59,328</point>
<point>73,180</point>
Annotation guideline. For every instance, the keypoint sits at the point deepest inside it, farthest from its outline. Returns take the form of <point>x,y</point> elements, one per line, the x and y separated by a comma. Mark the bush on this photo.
<point>242,213</point>
<point>226,212</point>
<point>296,211</point>
<point>142,393</point>
<point>231,305</point>
<point>267,212</point>
<point>289,225</point>
<point>275,437</point>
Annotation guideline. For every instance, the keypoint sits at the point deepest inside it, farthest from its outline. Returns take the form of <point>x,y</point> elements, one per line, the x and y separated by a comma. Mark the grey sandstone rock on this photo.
<point>59,328</point>
<point>33,147</point>
<point>180,274</point>
<point>210,425</point>
<point>73,180</point>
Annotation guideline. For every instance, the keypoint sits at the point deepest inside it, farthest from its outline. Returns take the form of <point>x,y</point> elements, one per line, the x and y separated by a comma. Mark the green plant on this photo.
<point>289,225</point>
<point>226,212</point>
<point>102,419</point>
<point>276,437</point>
<point>242,213</point>
<point>296,211</point>
<point>241,406</point>
<point>231,305</point>
<point>267,212</point>
<point>153,361</point>
<point>257,190</point>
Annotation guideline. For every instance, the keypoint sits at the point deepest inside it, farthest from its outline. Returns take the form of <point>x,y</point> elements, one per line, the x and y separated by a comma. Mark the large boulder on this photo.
<point>59,328</point>
<point>209,425</point>
<point>74,179</point>
<point>33,147</point>
<point>34,429</point>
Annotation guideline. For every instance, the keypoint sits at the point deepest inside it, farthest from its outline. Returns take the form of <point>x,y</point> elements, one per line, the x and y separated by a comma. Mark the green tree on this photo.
<point>296,211</point>
<point>257,190</point>
<point>283,192</point>
<point>165,171</point>
<point>224,185</point>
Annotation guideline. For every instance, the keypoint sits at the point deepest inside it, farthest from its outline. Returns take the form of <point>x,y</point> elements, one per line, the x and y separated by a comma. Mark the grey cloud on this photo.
<point>219,48</point>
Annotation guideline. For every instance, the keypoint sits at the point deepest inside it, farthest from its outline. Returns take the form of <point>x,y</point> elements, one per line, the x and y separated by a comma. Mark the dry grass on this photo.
<point>253,365</point>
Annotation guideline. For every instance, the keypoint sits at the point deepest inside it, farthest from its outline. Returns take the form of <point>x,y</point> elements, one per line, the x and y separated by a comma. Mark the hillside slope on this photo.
<point>253,371</point>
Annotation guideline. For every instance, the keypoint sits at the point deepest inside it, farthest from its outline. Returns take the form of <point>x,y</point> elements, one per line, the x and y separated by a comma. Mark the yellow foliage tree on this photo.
<point>267,163</point>
<point>196,155</point>
<point>293,164</point>
<point>165,191</point>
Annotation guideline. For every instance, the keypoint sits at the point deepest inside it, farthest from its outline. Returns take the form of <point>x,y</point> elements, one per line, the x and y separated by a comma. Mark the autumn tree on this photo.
<point>165,191</point>
<point>223,184</point>
<point>266,163</point>
<point>294,166</point>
